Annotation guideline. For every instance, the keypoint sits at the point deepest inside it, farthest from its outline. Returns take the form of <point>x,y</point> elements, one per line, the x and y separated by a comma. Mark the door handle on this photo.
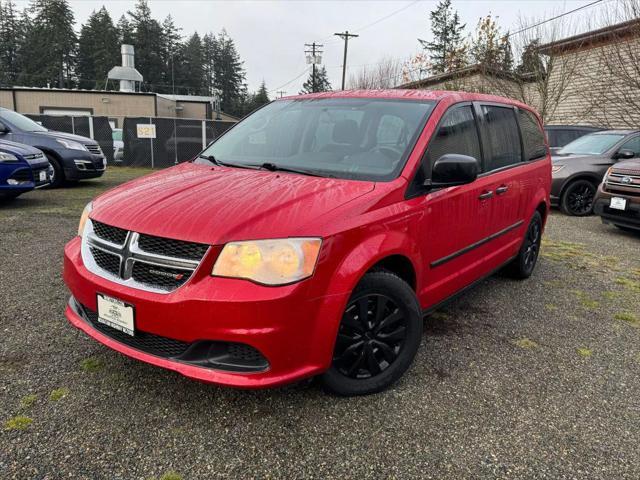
<point>486,195</point>
<point>501,189</point>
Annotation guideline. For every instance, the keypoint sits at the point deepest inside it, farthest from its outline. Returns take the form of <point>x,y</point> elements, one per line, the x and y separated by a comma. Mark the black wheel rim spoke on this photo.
<point>371,336</point>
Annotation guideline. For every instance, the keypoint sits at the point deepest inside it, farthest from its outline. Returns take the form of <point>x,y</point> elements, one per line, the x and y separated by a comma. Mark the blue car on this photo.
<point>72,157</point>
<point>22,168</point>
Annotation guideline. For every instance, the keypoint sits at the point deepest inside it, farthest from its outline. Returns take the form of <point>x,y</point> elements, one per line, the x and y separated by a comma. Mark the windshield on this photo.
<point>593,144</point>
<point>20,121</point>
<point>356,138</point>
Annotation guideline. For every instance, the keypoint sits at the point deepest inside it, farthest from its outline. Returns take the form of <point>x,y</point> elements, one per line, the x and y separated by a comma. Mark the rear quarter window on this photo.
<point>532,136</point>
<point>501,137</point>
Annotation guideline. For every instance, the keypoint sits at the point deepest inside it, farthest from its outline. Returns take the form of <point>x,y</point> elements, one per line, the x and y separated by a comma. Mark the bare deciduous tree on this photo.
<point>612,75</point>
<point>387,73</point>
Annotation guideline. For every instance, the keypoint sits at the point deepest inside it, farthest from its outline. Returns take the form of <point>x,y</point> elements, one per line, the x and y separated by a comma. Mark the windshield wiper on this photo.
<point>215,161</point>
<point>272,167</point>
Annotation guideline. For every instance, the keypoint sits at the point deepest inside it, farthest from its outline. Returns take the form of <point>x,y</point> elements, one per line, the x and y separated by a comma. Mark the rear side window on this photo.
<point>502,138</point>
<point>532,136</point>
<point>457,133</point>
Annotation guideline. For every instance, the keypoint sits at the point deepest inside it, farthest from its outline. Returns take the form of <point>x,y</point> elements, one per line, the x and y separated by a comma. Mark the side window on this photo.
<point>633,145</point>
<point>502,137</point>
<point>532,136</point>
<point>457,133</point>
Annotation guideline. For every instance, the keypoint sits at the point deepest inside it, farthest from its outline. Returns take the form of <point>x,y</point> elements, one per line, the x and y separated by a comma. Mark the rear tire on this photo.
<point>378,338</point>
<point>523,265</point>
<point>577,198</point>
<point>58,179</point>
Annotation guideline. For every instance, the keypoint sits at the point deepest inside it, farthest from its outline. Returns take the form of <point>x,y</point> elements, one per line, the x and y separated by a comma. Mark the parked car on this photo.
<point>118,145</point>
<point>560,135</point>
<point>22,168</point>
<point>578,167</point>
<point>72,157</point>
<point>312,237</point>
<point>618,198</point>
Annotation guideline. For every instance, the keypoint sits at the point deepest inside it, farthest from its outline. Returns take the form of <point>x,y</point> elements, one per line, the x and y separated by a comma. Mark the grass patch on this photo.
<point>91,364</point>
<point>17,423</point>
<point>551,307</point>
<point>28,400</point>
<point>590,304</point>
<point>526,343</point>
<point>58,394</point>
<point>440,315</point>
<point>171,476</point>
<point>627,317</point>
<point>584,352</point>
<point>629,283</point>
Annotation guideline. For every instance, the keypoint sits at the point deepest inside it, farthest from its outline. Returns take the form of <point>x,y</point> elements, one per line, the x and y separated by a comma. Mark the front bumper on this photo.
<point>294,333</point>
<point>630,217</point>
<point>79,165</point>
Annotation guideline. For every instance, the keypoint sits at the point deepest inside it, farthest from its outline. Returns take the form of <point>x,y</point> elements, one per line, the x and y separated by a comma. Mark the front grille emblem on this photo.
<point>626,180</point>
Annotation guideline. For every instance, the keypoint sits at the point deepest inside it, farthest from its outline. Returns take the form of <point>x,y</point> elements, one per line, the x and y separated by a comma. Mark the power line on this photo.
<point>553,18</point>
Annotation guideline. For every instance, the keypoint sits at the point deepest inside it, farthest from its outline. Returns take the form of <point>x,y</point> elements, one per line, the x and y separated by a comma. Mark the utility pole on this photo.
<point>314,56</point>
<point>345,36</point>
<point>281,93</point>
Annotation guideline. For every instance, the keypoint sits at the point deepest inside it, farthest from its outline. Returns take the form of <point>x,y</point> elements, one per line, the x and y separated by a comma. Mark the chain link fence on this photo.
<point>161,142</point>
<point>148,141</point>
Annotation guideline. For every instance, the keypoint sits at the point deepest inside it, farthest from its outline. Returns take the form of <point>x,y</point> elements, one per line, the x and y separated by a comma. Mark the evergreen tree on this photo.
<point>11,40</point>
<point>125,33</point>
<point>99,50</point>
<point>148,42</point>
<point>209,53</point>
<point>262,96</point>
<point>530,61</point>
<point>506,54</point>
<point>321,83</point>
<point>171,51</point>
<point>50,45</point>
<point>228,74</point>
<point>447,51</point>
<point>190,70</point>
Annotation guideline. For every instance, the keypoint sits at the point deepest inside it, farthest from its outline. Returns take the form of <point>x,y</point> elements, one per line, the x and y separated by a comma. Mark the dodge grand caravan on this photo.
<point>312,237</point>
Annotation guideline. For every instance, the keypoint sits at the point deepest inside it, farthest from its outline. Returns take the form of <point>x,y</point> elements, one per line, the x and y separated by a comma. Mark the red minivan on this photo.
<point>313,237</point>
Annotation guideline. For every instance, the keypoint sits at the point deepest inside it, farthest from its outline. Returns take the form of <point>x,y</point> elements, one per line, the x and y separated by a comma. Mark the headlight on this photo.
<point>270,262</point>
<point>556,168</point>
<point>606,175</point>
<point>7,157</point>
<point>71,145</point>
<point>84,217</point>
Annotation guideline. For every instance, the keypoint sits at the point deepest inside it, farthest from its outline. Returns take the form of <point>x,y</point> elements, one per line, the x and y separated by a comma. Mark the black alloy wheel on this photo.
<point>578,198</point>
<point>378,336</point>
<point>371,336</point>
<point>522,266</point>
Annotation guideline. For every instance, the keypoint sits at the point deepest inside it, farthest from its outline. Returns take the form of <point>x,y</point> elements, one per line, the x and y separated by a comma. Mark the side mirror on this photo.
<point>3,129</point>
<point>453,169</point>
<point>624,154</point>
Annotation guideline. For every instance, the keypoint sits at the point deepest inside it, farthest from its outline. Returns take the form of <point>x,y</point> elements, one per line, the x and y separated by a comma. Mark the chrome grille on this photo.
<point>623,182</point>
<point>95,149</point>
<point>140,261</point>
<point>110,234</point>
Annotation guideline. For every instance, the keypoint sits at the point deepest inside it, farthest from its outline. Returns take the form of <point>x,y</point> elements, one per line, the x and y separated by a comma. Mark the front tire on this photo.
<point>523,265</point>
<point>378,338</point>
<point>577,199</point>
<point>58,179</point>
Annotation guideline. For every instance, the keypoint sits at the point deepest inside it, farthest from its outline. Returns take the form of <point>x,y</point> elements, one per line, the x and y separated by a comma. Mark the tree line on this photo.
<point>40,47</point>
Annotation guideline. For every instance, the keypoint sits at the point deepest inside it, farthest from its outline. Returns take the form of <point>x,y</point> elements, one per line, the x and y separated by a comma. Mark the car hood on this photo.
<point>576,158</point>
<point>67,136</point>
<point>631,165</point>
<point>215,205</point>
<point>19,148</point>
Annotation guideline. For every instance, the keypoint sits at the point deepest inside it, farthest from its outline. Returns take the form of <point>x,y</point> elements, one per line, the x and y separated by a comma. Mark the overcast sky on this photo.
<point>270,35</point>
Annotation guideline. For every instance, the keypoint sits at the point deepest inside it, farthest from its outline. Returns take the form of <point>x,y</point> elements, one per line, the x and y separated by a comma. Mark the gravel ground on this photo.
<point>533,379</point>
